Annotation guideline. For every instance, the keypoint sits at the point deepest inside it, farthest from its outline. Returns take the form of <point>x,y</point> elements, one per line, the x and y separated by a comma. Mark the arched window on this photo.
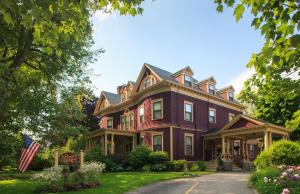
<point>149,81</point>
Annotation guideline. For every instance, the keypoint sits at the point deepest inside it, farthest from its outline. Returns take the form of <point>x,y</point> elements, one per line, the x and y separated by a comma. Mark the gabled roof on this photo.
<point>163,74</point>
<point>226,88</point>
<point>111,97</point>
<point>211,79</point>
<point>187,68</point>
<point>241,116</point>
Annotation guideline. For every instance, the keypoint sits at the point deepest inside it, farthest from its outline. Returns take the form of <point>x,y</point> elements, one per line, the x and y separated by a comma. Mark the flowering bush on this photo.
<point>60,178</point>
<point>91,170</point>
<point>282,179</point>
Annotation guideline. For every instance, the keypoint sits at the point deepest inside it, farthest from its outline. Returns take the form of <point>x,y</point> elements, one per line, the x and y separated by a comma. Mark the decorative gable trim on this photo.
<point>238,118</point>
<point>141,77</point>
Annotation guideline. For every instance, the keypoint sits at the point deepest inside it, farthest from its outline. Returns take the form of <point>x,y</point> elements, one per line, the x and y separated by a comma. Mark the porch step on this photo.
<point>236,168</point>
<point>211,166</point>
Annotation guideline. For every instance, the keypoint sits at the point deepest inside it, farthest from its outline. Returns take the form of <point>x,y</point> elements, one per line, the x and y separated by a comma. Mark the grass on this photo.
<point>115,183</point>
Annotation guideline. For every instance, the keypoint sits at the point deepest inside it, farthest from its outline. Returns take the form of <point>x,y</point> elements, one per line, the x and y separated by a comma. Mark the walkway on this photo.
<point>217,183</point>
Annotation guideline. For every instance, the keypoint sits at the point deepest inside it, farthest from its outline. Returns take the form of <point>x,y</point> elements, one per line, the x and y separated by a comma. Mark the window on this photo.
<point>149,81</point>
<point>131,125</point>
<point>230,116</point>
<point>109,123</point>
<point>127,121</point>
<point>157,109</point>
<point>142,117</point>
<point>123,97</point>
<point>189,142</point>
<point>230,96</point>
<point>187,80</point>
<point>157,143</point>
<point>211,89</point>
<point>188,111</point>
<point>212,115</point>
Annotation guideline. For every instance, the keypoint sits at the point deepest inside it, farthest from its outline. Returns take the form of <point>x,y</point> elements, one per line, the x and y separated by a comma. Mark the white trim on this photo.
<point>190,103</point>
<point>189,135</point>
<point>162,108</point>
<point>139,116</point>
<point>230,115</point>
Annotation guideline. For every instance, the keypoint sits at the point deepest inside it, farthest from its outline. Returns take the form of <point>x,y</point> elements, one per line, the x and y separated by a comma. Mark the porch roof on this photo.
<point>246,126</point>
<point>104,131</point>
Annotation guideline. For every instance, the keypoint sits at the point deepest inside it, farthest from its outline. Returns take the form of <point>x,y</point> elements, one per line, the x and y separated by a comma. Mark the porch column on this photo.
<point>223,145</point>
<point>247,154</point>
<point>270,138</point>
<point>105,144</point>
<point>112,144</point>
<point>266,140</point>
<point>102,144</point>
<point>284,137</point>
<point>228,145</point>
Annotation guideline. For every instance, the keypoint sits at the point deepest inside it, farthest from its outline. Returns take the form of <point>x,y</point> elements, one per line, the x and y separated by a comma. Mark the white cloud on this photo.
<point>238,81</point>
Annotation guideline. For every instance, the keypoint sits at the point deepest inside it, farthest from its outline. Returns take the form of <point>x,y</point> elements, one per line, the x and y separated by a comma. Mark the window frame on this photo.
<point>125,119</point>
<point>112,123</point>
<point>162,108</point>
<point>214,110</point>
<point>149,78</point>
<point>184,110</point>
<point>142,107</point>
<point>184,80</point>
<point>185,151</point>
<point>209,90</point>
<point>162,140</point>
<point>230,115</point>
<point>231,98</point>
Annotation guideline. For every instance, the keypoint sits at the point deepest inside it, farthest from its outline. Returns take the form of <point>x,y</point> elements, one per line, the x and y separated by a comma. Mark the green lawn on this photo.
<point>116,183</point>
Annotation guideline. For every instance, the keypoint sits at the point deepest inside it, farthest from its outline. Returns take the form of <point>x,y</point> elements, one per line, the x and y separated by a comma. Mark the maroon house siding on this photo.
<point>173,115</point>
<point>243,123</point>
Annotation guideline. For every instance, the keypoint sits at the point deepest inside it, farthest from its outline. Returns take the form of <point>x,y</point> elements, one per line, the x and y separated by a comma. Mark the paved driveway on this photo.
<point>217,183</point>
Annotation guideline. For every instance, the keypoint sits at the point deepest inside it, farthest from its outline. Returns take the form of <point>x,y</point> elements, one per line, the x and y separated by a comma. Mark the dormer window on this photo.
<point>230,96</point>
<point>149,81</point>
<point>187,80</point>
<point>211,89</point>
<point>123,97</point>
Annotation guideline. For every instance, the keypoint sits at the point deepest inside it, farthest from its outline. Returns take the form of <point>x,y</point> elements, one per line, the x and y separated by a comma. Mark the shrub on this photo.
<point>176,165</point>
<point>194,167</point>
<point>201,165</point>
<point>281,152</point>
<point>147,167</point>
<point>112,166</point>
<point>40,163</point>
<point>158,157</point>
<point>159,167</point>
<point>90,171</point>
<point>139,157</point>
<point>94,155</point>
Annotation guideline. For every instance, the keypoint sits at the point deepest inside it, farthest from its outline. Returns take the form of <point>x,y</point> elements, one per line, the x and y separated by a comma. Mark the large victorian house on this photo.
<point>176,113</point>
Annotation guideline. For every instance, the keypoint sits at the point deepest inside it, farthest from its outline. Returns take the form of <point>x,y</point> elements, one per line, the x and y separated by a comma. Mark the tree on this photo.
<point>44,45</point>
<point>275,95</point>
<point>45,49</point>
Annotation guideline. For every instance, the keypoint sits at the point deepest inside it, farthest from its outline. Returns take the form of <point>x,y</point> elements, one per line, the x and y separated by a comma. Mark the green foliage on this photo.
<point>94,154</point>
<point>158,157</point>
<point>139,157</point>
<point>201,165</point>
<point>40,163</point>
<point>45,50</point>
<point>274,183</point>
<point>10,145</point>
<point>281,152</point>
<point>194,167</point>
<point>176,165</point>
<point>159,167</point>
<point>271,90</point>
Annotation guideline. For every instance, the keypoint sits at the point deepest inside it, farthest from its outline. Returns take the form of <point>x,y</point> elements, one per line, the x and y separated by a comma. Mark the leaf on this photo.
<point>51,8</point>
<point>220,8</point>
<point>238,12</point>
<point>295,40</point>
<point>7,18</point>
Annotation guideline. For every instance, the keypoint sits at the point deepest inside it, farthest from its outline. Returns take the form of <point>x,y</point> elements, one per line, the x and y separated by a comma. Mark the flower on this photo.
<point>285,191</point>
<point>266,179</point>
<point>275,180</point>
<point>284,174</point>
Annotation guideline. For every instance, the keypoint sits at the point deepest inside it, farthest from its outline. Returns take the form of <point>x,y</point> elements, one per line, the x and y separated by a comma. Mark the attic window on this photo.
<point>211,89</point>
<point>230,96</point>
<point>187,80</point>
<point>149,81</point>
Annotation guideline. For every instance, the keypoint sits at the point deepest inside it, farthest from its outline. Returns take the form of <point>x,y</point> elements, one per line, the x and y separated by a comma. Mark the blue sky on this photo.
<point>172,34</point>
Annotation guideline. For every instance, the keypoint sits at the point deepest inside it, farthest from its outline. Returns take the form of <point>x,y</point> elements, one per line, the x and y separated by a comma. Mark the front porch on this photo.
<point>240,141</point>
<point>106,139</point>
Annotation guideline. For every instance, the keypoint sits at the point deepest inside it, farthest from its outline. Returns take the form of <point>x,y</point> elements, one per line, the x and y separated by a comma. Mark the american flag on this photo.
<point>30,148</point>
